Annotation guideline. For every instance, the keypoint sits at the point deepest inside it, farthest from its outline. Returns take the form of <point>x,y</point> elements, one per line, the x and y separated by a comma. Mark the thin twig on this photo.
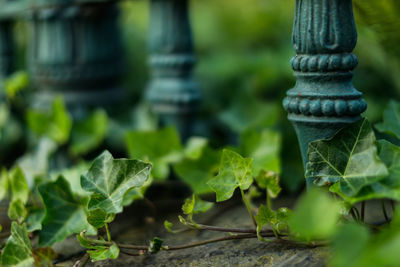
<point>384,211</point>
<point>83,261</point>
<point>130,254</point>
<point>220,239</point>
<point>363,210</point>
<point>229,230</point>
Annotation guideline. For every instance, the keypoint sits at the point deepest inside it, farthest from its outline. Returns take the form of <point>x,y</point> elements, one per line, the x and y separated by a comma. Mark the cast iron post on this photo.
<point>76,52</point>
<point>323,99</point>
<point>172,92</point>
<point>6,50</point>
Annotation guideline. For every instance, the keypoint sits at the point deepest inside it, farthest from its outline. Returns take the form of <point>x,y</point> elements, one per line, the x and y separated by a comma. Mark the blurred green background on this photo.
<point>243,50</point>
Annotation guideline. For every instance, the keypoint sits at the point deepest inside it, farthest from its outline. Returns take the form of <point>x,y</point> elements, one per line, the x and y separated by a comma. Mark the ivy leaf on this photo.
<point>88,134</point>
<point>195,147</point>
<point>136,193</point>
<point>168,226</point>
<point>17,210</point>
<point>389,187</point>
<point>108,180</point>
<point>264,147</point>
<point>391,120</point>
<point>19,186</point>
<point>315,216</point>
<point>197,172</point>
<point>104,253</point>
<point>55,124</point>
<point>270,181</point>
<point>17,82</point>
<point>4,184</point>
<point>155,245</point>
<point>350,157</point>
<point>283,215</point>
<point>64,215</point>
<point>73,175</point>
<point>98,218</point>
<point>44,256</point>
<point>195,205</point>
<point>162,147</point>
<point>17,252</point>
<point>36,163</point>
<point>265,216</point>
<point>34,220</point>
<point>234,171</point>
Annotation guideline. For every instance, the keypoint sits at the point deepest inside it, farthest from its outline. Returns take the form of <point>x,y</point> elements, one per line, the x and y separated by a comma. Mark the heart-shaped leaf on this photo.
<point>17,252</point>
<point>391,120</point>
<point>234,171</point>
<point>64,216</point>
<point>108,180</point>
<point>349,157</point>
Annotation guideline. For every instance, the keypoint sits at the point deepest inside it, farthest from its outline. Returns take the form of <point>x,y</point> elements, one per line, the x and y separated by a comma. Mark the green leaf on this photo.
<point>265,216</point>
<point>197,172</point>
<point>264,147</point>
<point>389,187</point>
<point>34,220</point>
<point>15,83</point>
<point>155,245</point>
<point>104,253</point>
<point>234,171</point>
<point>315,216</point>
<point>168,226</point>
<point>350,157</point>
<point>36,163</point>
<point>88,134</point>
<point>44,257</point>
<point>270,181</point>
<point>391,120</point>
<point>195,147</point>
<point>162,147</point>
<point>348,244</point>
<point>73,175</point>
<point>17,252</point>
<point>108,180</point>
<point>195,205</point>
<point>4,184</point>
<point>19,186</point>
<point>283,214</point>
<point>17,210</point>
<point>98,218</point>
<point>55,124</point>
<point>64,215</point>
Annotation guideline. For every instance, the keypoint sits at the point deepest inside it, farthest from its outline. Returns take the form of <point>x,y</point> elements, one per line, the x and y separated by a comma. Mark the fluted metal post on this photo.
<point>172,91</point>
<point>75,51</point>
<point>323,99</point>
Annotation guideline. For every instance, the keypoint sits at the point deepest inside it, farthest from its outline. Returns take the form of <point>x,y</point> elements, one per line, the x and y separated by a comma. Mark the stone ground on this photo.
<point>250,252</point>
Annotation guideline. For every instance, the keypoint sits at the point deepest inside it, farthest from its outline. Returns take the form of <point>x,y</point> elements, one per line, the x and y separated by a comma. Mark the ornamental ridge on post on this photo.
<point>173,93</point>
<point>323,99</point>
<point>76,51</point>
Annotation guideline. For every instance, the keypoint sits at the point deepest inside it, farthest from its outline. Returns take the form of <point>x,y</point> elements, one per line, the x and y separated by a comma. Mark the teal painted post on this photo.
<point>6,51</point>
<point>76,52</point>
<point>173,93</point>
<point>323,99</point>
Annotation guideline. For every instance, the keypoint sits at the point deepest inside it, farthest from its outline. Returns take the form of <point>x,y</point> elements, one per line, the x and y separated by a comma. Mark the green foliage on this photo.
<point>108,180</point>
<point>16,83</point>
<point>44,256</point>
<point>99,252</point>
<point>195,205</point>
<point>391,120</point>
<point>270,181</point>
<point>88,134</point>
<point>55,124</point>
<point>17,210</point>
<point>350,158</point>
<point>234,171</point>
<point>264,147</point>
<point>65,214</point>
<point>161,148</point>
<point>17,252</point>
<point>98,218</point>
<point>155,245</point>
<point>265,216</point>
<point>198,171</point>
<point>19,186</point>
<point>315,216</point>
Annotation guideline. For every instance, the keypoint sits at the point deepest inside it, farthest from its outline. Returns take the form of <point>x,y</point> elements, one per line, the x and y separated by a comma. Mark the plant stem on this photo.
<point>83,261</point>
<point>130,254</point>
<point>363,211</point>
<point>248,207</point>
<point>108,233</point>
<point>220,239</point>
<point>229,230</point>
<point>384,211</point>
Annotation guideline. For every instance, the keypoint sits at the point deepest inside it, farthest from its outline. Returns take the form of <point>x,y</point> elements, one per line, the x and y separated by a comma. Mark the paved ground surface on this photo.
<point>249,252</point>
